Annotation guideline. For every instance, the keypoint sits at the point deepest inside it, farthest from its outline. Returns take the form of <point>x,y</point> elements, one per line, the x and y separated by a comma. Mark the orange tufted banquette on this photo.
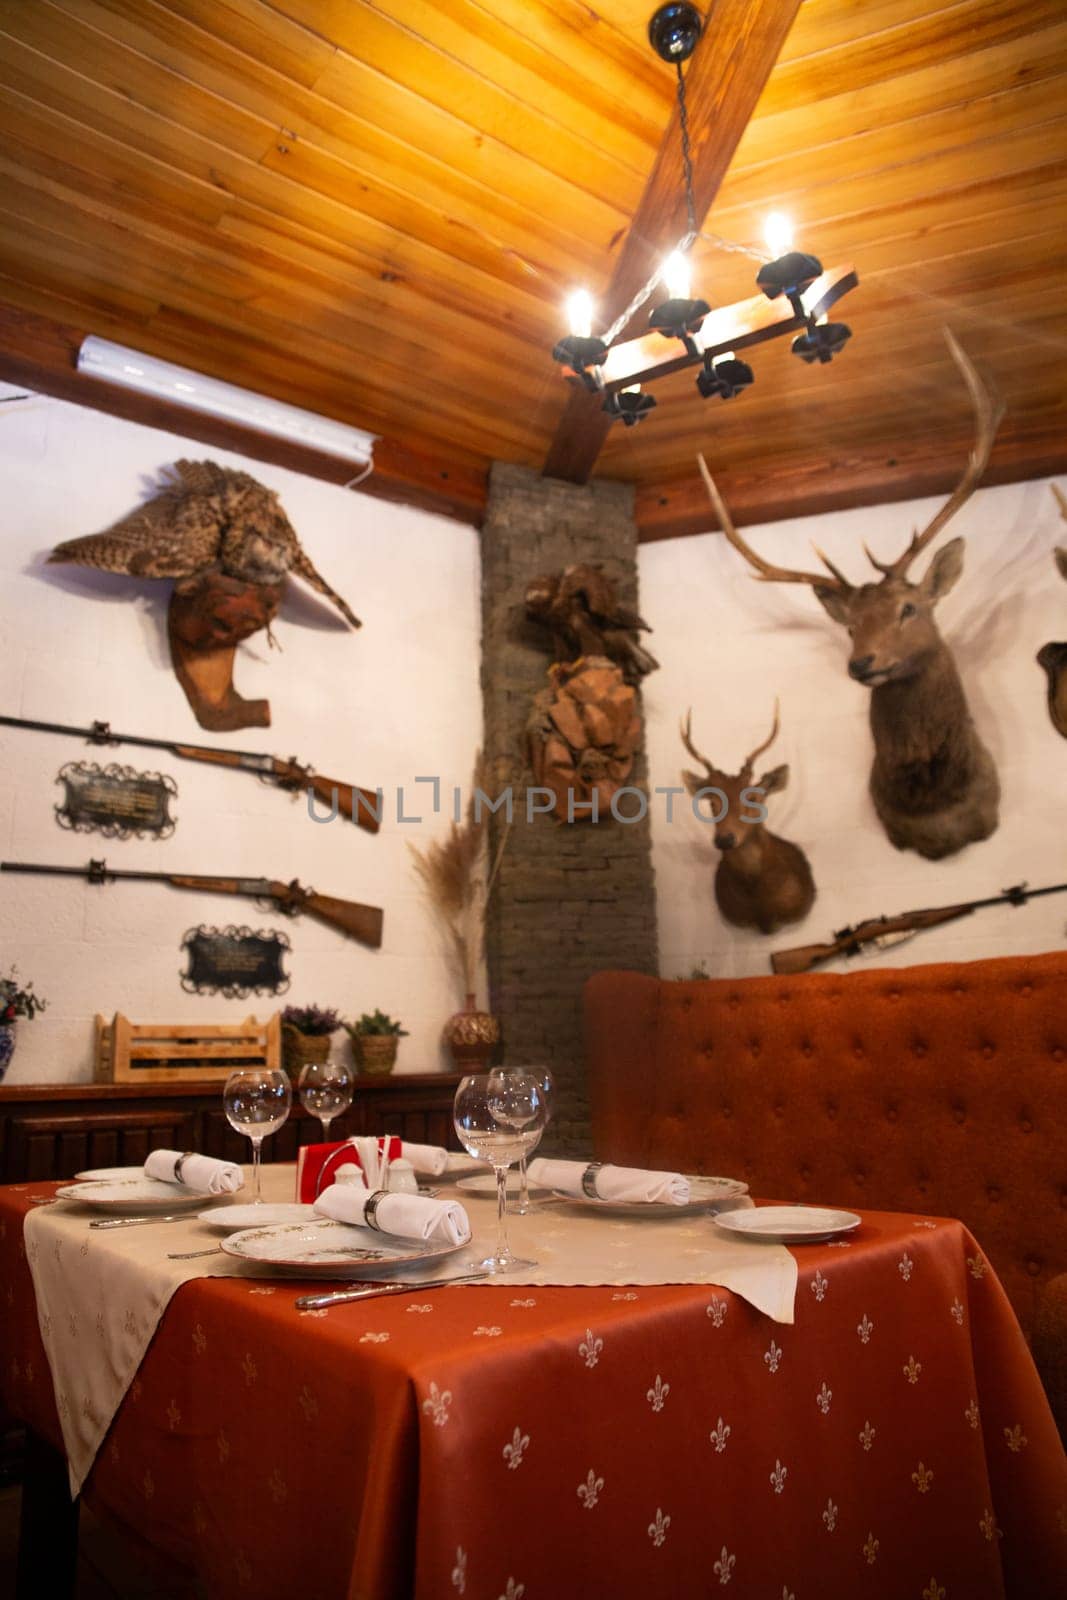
<point>938,1089</point>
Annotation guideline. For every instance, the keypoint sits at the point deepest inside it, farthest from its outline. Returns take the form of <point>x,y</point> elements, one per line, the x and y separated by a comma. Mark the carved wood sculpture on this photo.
<point>1053,657</point>
<point>581,736</point>
<point>228,542</point>
<point>762,880</point>
<point>581,609</point>
<point>933,781</point>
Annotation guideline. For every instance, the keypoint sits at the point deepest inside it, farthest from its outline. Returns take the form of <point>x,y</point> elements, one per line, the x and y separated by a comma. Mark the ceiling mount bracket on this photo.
<point>674,32</point>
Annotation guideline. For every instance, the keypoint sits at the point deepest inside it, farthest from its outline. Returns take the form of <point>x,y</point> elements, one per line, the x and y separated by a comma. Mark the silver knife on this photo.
<point>377,1291</point>
<point>132,1222</point>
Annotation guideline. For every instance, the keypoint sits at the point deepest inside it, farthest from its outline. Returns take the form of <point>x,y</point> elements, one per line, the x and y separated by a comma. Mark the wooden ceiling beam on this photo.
<point>724,80</point>
<point>42,354</point>
<point>810,485</point>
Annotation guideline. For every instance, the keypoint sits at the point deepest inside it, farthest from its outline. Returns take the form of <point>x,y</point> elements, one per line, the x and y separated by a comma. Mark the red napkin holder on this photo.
<point>317,1165</point>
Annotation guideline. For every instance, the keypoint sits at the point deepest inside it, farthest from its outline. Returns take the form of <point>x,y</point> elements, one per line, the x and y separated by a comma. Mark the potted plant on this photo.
<point>374,1042</point>
<point>306,1034</point>
<point>17,999</point>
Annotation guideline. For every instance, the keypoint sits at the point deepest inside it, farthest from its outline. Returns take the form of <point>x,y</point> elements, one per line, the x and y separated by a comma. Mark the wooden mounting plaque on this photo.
<point>183,1052</point>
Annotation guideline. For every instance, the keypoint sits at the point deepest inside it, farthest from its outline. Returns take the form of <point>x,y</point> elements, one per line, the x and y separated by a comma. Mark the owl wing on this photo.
<point>147,543</point>
<point>301,565</point>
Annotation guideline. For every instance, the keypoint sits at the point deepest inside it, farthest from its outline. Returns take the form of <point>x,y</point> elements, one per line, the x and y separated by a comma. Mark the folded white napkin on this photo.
<point>612,1183</point>
<point>407,1216</point>
<point>431,1159</point>
<point>205,1174</point>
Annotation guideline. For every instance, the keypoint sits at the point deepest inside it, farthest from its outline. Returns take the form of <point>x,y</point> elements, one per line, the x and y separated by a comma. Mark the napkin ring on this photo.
<point>371,1208</point>
<point>589,1177</point>
<point>179,1164</point>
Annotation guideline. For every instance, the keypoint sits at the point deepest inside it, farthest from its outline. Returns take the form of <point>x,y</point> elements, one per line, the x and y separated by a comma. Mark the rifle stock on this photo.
<point>363,923</point>
<point>360,806</point>
<point>849,943</point>
<point>803,958</point>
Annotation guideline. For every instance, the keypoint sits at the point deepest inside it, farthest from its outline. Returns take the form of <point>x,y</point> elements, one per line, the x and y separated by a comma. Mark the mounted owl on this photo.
<point>229,545</point>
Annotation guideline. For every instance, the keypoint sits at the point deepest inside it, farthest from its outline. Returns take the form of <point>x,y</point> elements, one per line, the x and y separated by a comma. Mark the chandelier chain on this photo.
<point>687,157</point>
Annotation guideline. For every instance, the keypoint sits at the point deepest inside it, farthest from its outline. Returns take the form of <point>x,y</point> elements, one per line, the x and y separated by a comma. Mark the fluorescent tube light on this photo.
<point>113,363</point>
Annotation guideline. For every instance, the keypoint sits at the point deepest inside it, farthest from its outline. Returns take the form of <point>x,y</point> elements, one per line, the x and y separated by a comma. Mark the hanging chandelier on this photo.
<point>796,295</point>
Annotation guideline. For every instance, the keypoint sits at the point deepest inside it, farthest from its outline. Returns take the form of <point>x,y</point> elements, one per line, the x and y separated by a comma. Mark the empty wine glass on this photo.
<point>498,1126</point>
<point>257,1101</point>
<point>326,1090</point>
<point>546,1086</point>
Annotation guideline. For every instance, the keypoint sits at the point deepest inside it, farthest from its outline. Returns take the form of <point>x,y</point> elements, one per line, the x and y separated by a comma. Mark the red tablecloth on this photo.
<point>508,1443</point>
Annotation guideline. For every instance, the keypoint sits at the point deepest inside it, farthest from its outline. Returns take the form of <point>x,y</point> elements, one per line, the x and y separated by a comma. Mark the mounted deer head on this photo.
<point>1053,657</point>
<point>762,880</point>
<point>933,781</point>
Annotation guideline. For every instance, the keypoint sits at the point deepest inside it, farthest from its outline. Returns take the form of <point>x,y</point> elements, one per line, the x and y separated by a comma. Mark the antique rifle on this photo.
<point>357,921</point>
<point>894,930</point>
<point>361,806</point>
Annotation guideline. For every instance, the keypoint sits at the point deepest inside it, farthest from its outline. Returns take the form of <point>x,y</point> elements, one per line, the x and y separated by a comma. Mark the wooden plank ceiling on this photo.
<point>375,210</point>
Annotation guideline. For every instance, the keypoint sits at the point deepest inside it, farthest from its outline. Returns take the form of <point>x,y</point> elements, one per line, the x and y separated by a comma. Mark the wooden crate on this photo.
<point>183,1052</point>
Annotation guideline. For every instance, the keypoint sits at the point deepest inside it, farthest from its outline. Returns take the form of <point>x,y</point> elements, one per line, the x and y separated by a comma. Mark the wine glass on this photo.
<point>257,1101</point>
<point>326,1090</point>
<point>546,1086</point>
<point>498,1127</point>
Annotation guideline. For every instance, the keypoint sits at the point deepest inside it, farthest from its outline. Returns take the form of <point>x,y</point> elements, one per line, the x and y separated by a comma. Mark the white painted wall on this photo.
<point>398,699</point>
<point>728,645</point>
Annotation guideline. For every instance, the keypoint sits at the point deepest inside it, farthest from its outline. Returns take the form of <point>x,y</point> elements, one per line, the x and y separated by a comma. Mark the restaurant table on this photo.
<point>503,1442</point>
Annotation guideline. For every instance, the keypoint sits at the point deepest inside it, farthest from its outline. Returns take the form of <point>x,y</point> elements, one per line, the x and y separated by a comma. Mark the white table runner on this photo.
<point>101,1292</point>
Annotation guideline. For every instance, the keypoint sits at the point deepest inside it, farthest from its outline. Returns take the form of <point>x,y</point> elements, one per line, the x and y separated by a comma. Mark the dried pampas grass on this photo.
<point>458,880</point>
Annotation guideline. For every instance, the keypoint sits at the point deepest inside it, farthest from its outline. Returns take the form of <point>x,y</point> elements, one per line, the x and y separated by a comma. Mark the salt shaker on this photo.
<point>402,1179</point>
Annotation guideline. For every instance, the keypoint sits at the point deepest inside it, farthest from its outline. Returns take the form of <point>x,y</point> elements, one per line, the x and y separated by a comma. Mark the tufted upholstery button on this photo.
<point>857,1050</point>
<point>859,1178</point>
<point>958,989</point>
<point>687,1003</point>
<point>988,1052</point>
<point>892,1114</point>
<point>831,1110</point>
<point>892,994</point>
<point>805,1173</point>
<point>754,1050</point>
<point>1026,990</point>
<point>959,1115</point>
<point>779,1112</point>
<point>727,1112</point>
<point>807,1048</point>
<point>918,1048</point>
<point>1057,1054</point>
<point>993,1193</point>
<point>1033,1268</point>
<point>1026,1125</point>
<point>709,1049</point>
<point>921,1186</point>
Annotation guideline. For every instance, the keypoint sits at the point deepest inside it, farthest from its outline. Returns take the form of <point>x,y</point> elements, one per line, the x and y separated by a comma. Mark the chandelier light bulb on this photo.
<point>675,275</point>
<point>580,313</point>
<point>778,232</point>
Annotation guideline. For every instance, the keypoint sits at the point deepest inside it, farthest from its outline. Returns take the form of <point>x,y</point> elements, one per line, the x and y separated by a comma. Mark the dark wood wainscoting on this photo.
<point>50,1131</point>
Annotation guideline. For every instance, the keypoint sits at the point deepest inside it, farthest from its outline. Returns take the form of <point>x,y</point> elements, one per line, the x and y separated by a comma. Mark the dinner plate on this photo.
<point>703,1192</point>
<point>789,1224</point>
<point>108,1174</point>
<point>329,1249</point>
<point>230,1218</point>
<point>483,1184</point>
<point>133,1194</point>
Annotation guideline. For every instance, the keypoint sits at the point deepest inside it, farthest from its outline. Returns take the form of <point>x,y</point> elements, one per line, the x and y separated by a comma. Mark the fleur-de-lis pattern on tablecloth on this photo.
<point>916,1473</point>
<point>906,1266</point>
<point>933,1591</point>
<point>589,1491</point>
<point>978,1266</point>
<point>657,1529</point>
<point>658,1393</point>
<point>724,1567</point>
<point>590,1348</point>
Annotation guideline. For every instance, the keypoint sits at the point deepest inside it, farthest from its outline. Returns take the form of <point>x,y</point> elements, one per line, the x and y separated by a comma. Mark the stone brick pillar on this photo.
<point>570,899</point>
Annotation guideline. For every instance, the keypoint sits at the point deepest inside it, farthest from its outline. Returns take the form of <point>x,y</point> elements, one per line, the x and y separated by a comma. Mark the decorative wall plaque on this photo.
<point>115,801</point>
<point>235,962</point>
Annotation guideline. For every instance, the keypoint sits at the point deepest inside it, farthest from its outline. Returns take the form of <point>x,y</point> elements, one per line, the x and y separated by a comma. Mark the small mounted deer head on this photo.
<point>1053,657</point>
<point>933,782</point>
<point>762,880</point>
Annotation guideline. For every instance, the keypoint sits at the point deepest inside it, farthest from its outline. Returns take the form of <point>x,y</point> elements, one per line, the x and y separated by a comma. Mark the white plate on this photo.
<point>703,1192</point>
<point>133,1194</point>
<point>230,1218</point>
<point>108,1174</point>
<point>329,1249</point>
<point>483,1184</point>
<point>789,1224</point>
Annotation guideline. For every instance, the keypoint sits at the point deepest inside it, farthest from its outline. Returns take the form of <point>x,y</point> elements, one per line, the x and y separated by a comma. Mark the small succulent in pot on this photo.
<point>374,1042</point>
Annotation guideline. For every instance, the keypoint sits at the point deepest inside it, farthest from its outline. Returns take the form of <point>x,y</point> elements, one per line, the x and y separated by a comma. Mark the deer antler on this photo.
<point>750,760</point>
<point>686,730</point>
<point>765,569</point>
<point>988,411</point>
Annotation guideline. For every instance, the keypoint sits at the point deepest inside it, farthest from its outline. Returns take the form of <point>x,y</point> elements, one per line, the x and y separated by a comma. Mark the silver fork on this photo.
<point>133,1222</point>
<point>378,1291</point>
